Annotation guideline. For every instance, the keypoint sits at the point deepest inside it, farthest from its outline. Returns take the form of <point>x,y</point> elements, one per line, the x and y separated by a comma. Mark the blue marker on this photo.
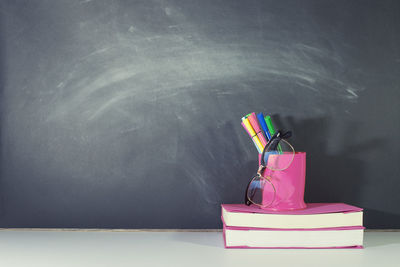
<point>263,124</point>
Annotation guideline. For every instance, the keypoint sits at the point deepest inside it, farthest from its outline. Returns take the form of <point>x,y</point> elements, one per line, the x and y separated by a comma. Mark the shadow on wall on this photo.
<point>333,175</point>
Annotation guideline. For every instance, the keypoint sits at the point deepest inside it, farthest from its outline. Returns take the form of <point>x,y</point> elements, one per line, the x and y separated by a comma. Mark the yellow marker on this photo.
<point>253,134</point>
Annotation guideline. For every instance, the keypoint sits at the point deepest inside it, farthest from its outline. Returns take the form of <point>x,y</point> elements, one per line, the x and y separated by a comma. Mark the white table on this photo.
<point>138,248</point>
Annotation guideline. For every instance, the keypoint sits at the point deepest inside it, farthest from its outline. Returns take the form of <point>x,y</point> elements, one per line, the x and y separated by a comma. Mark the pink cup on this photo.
<point>289,183</point>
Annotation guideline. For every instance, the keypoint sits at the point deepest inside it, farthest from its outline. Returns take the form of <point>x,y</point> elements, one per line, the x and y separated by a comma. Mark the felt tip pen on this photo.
<point>253,134</point>
<point>263,125</point>
<point>271,129</point>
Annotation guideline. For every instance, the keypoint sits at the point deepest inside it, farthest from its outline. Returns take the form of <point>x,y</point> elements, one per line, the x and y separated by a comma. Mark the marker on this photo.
<point>254,123</point>
<point>253,134</point>
<point>261,120</point>
<point>271,129</point>
<point>270,126</point>
<point>254,142</point>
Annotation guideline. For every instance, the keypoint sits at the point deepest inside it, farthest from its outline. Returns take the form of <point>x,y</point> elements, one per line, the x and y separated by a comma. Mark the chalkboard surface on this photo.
<point>126,114</point>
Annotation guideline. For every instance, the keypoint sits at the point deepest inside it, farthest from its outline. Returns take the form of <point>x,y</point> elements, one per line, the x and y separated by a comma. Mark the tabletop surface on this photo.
<point>179,248</point>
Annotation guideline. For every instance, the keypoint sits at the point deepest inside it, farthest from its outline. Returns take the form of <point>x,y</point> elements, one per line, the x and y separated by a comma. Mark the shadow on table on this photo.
<point>208,239</point>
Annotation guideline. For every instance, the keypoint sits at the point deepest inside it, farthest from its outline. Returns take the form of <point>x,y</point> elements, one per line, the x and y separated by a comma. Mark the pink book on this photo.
<point>320,225</point>
<point>312,208</point>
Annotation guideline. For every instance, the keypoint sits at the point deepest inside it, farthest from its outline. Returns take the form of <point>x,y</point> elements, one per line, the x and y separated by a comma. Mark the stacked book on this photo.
<point>320,225</point>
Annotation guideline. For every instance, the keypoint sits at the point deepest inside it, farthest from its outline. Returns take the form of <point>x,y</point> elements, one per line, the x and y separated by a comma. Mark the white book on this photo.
<point>347,237</point>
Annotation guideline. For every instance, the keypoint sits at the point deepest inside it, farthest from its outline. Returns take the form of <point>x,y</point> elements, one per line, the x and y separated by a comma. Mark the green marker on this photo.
<point>270,126</point>
<point>271,129</point>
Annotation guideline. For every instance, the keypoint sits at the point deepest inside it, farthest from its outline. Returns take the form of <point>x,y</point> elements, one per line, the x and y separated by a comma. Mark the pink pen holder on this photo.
<point>289,184</point>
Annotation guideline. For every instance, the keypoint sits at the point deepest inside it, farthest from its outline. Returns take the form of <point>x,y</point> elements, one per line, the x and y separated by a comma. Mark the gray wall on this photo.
<point>126,114</point>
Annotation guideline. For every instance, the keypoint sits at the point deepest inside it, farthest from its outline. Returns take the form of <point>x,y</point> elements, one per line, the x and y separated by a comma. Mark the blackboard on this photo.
<point>126,114</point>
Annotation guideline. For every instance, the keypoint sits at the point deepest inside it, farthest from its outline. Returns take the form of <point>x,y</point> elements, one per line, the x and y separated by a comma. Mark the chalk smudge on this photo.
<point>141,72</point>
